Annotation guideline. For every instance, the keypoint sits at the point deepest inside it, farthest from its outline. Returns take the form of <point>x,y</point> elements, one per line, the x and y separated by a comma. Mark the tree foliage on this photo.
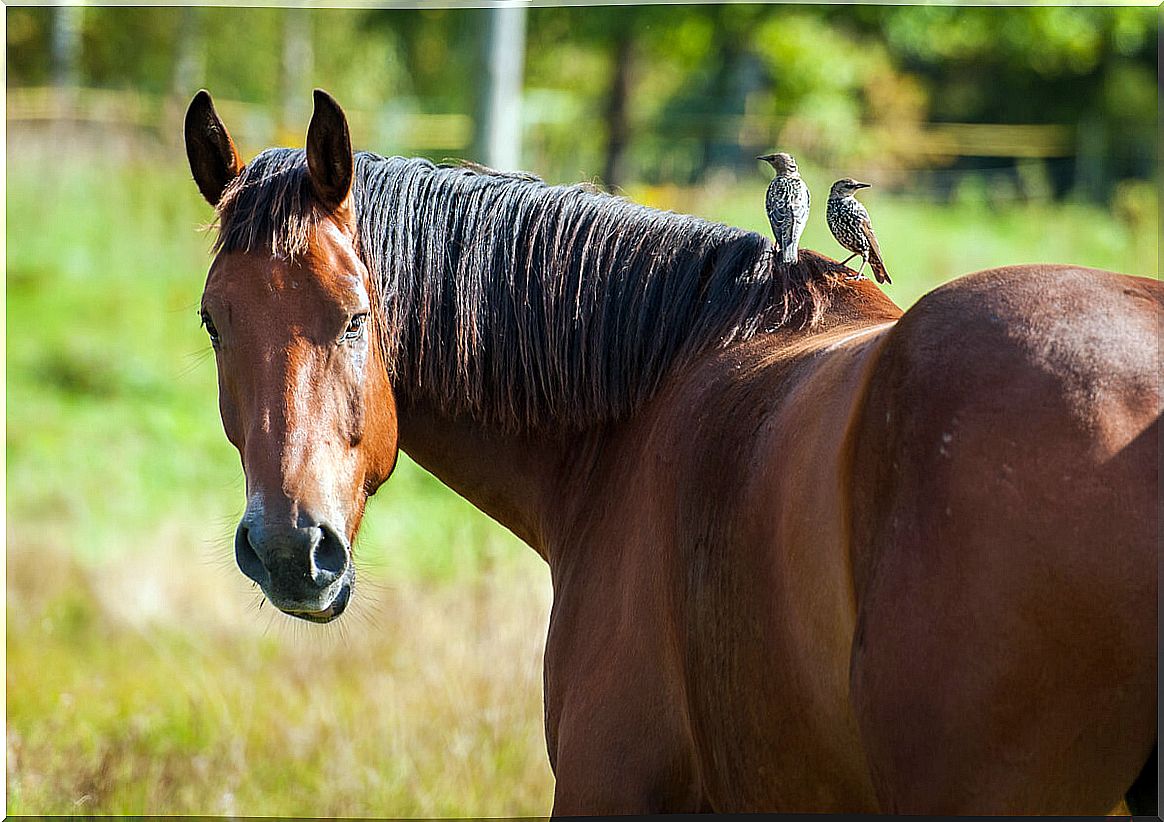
<point>668,92</point>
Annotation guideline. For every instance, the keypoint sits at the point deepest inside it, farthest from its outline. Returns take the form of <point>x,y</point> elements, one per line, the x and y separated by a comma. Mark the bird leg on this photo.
<point>851,256</point>
<point>862,268</point>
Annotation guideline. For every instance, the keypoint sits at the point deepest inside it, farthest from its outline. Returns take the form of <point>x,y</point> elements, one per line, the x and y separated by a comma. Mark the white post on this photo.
<point>298,59</point>
<point>66,46</point>
<point>190,65</point>
<point>506,70</point>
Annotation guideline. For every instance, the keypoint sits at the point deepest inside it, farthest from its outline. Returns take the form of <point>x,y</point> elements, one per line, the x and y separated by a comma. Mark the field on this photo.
<point>143,677</point>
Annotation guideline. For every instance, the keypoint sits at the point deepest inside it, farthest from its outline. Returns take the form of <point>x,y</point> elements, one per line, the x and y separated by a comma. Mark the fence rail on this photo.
<point>113,107</point>
<point>407,130</point>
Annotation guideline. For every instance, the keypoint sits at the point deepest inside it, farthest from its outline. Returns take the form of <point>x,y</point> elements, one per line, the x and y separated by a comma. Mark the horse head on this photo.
<point>303,388</point>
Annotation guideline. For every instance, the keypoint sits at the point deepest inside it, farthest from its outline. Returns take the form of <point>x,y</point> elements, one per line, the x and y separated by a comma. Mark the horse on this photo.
<point>808,552</point>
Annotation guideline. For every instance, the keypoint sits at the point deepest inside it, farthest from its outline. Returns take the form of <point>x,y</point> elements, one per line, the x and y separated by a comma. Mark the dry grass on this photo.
<point>154,685</point>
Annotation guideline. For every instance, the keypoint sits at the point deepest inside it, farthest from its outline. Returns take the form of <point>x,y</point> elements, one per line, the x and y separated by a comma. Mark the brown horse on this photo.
<point>809,553</point>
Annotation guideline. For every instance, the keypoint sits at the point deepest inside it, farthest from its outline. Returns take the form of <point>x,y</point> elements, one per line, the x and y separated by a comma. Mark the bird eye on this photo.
<point>356,326</point>
<point>208,324</point>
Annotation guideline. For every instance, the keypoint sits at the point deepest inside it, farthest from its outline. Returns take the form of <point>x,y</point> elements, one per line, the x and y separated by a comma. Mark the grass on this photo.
<point>142,678</point>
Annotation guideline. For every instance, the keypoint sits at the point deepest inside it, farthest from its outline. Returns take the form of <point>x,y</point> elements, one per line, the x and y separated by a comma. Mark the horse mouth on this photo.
<point>332,611</point>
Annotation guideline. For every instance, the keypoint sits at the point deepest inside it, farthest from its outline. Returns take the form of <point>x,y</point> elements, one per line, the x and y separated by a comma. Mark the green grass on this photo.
<point>141,676</point>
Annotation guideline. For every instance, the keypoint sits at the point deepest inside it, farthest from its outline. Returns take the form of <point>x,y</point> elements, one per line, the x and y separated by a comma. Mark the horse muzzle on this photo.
<point>305,571</point>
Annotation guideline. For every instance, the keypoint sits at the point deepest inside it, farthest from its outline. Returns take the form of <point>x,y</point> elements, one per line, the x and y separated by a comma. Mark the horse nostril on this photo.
<point>248,561</point>
<point>329,556</point>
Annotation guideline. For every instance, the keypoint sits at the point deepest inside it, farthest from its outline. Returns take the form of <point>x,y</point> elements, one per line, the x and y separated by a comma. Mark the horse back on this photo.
<point>1004,542</point>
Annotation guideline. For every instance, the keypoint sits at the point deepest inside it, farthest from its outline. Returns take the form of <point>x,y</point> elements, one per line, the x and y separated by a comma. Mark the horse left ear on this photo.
<point>214,161</point>
<point>329,151</point>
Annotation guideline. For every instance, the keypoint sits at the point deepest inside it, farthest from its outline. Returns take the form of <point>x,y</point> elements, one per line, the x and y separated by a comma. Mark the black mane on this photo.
<point>522,303</point>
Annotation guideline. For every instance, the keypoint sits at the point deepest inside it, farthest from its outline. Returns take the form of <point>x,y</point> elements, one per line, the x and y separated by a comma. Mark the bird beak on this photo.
<point>767,157</point>
<point>864,185</point>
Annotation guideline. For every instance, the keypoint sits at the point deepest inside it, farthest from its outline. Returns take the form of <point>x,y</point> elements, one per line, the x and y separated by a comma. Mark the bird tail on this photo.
<point>878,266</point>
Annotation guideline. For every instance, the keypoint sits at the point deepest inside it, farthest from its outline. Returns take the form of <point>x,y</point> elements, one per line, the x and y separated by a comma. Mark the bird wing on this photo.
<point>801,201</point>
<point>875,260</point>
<point>867,230</point>
<point>780,210</point>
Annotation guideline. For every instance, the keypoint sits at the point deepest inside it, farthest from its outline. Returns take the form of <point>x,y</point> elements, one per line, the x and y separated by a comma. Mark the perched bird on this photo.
<point>849,222</point>
<point>787,204</point>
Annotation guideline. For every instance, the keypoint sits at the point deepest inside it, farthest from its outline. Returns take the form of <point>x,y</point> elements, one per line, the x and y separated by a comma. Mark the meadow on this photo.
<point>143,674</point>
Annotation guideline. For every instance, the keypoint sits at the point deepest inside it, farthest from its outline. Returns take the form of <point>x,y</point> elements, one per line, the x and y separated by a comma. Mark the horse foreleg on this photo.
<point>617,736</point>
<point>615,768</point>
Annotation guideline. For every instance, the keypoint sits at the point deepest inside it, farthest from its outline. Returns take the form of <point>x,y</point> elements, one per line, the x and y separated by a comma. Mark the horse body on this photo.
<point>871,562</point>
<point>1007,577</point>
<point>713,557</point>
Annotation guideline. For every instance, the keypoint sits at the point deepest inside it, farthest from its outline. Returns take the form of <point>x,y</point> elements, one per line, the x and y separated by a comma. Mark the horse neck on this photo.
<point>515,478</point>
<point>530,481</point>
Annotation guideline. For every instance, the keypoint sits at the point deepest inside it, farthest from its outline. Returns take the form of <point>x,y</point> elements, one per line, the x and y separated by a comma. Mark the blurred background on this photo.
<point>143,675</point>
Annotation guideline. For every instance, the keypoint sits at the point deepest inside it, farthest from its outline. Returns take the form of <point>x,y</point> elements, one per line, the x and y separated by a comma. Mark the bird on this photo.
<point>787,204</point>
<point>849,222</point>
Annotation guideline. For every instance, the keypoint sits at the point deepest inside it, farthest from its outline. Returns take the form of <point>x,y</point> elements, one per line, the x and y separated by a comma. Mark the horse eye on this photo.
<point>210,329</point>
<point>355,326</point>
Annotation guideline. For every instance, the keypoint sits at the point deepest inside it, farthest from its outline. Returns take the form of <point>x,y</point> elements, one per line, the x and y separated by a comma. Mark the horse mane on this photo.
<point>522,303</point>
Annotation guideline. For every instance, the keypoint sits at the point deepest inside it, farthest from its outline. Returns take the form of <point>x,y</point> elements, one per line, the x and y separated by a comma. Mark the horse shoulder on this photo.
<point>765,608</point>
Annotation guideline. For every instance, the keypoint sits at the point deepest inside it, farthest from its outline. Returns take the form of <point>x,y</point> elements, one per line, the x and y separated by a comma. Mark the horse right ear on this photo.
<point>213,158</point>
<point>329,151</point>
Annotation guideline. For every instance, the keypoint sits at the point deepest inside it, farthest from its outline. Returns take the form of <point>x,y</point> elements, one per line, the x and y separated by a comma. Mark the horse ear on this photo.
<point>213,158</point>
<point>329,151</point>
